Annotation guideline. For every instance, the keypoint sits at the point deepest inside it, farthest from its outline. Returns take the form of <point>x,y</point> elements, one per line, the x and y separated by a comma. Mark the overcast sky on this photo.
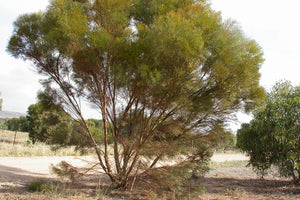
<point>274,24</point>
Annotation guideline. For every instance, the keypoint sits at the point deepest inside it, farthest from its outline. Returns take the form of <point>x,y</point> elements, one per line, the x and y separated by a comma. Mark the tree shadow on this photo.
<point>14,171</point>
<point>13,179</point>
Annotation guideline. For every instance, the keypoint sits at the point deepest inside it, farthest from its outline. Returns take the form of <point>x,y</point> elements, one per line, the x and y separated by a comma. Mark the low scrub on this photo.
<point>40,185</point>
<point>66,170</point>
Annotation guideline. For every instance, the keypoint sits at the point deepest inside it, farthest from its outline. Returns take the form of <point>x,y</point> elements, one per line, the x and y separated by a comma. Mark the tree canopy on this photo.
<point>161,73</point>
<point>16,124</point>
<point>48,122</point>
<point>272,137</point>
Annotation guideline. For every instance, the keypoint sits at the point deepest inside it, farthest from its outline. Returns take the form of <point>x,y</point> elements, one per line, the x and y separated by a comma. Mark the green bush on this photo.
<point>272,137</point>
<point>40,185</point>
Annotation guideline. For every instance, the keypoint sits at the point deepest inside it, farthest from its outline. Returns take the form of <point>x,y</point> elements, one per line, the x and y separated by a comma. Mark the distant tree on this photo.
<point>23,127</point>
<point>161,73</point>
<point>17,124</point>
<point>3,125</point>
<point>48,122</point>
<point>273,136</point>
<point>224,140</point>
<point>12,124</point>
<point>32,115</point>
<point>80,139</point>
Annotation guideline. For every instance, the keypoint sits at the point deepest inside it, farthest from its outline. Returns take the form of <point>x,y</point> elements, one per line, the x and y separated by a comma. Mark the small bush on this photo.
<point>41,185</point>
<point>66,170</point>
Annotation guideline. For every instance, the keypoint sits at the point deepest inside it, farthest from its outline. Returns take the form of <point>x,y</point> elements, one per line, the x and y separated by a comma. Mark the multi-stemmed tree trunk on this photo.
<point>159,72</point>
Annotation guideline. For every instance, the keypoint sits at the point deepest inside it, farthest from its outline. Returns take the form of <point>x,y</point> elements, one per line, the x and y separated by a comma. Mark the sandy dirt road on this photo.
<point>225,182</point>
<point>21,170</point>
<point>38,165</point>
<point>41,165</point>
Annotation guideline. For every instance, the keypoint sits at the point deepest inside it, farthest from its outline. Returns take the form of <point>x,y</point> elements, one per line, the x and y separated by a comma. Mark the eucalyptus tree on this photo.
<point>272,138</point>
<point>163,74</point>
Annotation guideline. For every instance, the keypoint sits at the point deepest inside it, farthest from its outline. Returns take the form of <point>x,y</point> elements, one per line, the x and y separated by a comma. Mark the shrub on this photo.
<point>40,185</point>
<point>272,137</point>
<point>65,170</point>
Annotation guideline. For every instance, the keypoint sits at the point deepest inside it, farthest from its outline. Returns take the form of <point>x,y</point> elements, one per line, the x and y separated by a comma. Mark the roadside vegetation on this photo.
<point>24,147</point>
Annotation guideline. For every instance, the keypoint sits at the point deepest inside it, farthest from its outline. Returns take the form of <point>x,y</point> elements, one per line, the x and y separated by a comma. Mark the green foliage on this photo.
<point>3,125</point>
<point>12,124</point>
<point>16,124</point>
<point>79,136</point>
<point>272,137</point>
<point>48,124</point>
<point>223,139</point>
<point>40,185</point>
<point>159,72</point>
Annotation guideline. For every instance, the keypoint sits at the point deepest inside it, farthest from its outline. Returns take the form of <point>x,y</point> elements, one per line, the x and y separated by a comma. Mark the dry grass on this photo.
<point>38,149</point>
<point>228,164</point>
<point>23,147</point>
<point>8,136</point>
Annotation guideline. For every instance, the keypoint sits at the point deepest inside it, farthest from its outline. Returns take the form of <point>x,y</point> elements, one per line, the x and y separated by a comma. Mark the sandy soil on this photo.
<point>12,167</point>
<point>19,171</point>
<point>237,182</point>
<point>229,157</point>
<point>38,165</point>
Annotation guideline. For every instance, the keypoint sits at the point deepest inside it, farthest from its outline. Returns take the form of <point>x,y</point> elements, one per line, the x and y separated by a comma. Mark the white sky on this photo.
<point>274,24</point>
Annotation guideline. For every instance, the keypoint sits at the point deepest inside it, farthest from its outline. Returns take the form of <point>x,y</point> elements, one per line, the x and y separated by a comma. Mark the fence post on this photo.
<point>15,138</point>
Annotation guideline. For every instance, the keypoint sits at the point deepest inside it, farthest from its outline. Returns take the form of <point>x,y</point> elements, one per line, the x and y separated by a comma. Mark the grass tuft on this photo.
<point>234,191</point>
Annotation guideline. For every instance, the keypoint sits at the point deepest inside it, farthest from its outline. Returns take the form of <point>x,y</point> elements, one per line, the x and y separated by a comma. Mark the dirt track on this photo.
<point>19,170</point>
<point>37,166</point>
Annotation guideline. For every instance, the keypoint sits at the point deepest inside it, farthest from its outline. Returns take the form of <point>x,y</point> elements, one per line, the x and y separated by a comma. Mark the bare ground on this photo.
<point>242,183</point>
<point>223,182</point>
